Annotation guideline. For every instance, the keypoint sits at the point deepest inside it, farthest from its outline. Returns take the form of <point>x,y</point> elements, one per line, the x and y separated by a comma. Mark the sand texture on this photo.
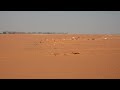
<point>59,56</point>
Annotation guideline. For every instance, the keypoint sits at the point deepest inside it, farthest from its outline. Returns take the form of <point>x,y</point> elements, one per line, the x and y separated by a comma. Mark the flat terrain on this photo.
<point>57,56</point>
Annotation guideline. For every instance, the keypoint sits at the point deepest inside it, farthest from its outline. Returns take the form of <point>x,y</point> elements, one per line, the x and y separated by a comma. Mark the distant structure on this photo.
<point>12,32</point>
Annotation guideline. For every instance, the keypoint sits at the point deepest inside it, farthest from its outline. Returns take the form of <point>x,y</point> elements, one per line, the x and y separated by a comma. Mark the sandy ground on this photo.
<point>62,56</point>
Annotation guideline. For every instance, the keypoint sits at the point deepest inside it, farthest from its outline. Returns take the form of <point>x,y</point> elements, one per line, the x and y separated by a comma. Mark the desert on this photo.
<point>59,56</point>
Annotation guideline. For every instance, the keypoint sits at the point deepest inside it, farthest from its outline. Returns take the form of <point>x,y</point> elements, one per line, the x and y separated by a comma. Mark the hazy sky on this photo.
<point>84,22</point>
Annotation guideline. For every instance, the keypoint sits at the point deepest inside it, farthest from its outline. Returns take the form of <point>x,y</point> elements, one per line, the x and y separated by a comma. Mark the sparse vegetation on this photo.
<point>75,53</point>
<point>4,32</point>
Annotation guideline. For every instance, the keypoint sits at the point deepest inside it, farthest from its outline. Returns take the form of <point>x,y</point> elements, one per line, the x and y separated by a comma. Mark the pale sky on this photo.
<point>84,22</point>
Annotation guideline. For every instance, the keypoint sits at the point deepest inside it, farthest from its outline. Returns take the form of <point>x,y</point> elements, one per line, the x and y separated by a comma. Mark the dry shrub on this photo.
<point>93,38</point>
<point>75,53</point>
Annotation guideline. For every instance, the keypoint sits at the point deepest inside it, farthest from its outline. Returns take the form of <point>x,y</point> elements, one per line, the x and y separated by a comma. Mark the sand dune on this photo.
<point>59,56</point>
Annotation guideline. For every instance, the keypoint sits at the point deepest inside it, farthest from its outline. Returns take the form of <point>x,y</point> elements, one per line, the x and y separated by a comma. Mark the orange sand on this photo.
<point>65,56</point>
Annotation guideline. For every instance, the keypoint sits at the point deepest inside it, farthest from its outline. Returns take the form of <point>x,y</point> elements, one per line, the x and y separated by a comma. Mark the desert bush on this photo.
<point>93,38</point>
<point>4,32</point>
<point>75,53</point>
